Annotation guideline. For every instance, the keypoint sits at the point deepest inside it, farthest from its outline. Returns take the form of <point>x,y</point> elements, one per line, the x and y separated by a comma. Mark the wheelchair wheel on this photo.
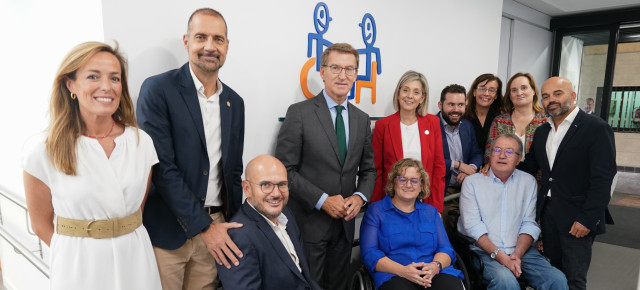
<point>362,280</point>
<point>460,266</point>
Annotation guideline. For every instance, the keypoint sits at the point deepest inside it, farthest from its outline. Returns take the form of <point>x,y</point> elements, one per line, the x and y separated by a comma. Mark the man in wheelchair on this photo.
<point>498,211</point>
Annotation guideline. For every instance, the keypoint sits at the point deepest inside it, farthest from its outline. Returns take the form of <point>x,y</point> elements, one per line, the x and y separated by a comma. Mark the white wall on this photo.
<point>526,42</point>
<point>267,50</point>
<point>268,45</point>
<point>36,35</point>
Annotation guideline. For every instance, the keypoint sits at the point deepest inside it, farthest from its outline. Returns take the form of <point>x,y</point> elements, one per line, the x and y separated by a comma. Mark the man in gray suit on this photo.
<point>325,144</point>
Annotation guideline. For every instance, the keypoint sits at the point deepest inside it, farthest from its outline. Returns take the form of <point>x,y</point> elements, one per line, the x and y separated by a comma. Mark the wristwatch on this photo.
<point>494,254</point>
<point>439,265</point>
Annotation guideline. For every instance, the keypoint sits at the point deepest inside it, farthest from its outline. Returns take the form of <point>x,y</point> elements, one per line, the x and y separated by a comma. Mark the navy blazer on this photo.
<point>168,110</point>
<point>582,173</point>
<point>471,152</point>
<point>266,263</point>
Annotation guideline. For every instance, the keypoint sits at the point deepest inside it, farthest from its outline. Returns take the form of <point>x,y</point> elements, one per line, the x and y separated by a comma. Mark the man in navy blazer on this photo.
<point>452,106</point>
<point>274,256</point>
<point>197,126</point>
<point>462,156</point>
<point>577,155</point>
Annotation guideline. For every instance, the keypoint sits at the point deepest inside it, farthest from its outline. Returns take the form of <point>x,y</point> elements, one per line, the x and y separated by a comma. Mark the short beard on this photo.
<point>262,211</point>
<point>451,123</point>
<point>214,67</point>
<point>207,69</point>
<point>562,109</point>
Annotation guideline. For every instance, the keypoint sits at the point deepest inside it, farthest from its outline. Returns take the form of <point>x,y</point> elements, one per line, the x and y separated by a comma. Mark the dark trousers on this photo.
<point>440,281</point>
<point>450,221</point>
<point>329,258</point>
<point>569,254</point>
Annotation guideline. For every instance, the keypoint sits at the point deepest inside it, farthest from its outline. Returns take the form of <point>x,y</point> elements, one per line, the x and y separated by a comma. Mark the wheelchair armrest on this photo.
<point>475,256</point>
<point>464,239</point>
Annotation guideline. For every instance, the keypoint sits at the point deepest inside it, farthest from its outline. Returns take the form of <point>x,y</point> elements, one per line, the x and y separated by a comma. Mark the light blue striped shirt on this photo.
<point>502,211</point>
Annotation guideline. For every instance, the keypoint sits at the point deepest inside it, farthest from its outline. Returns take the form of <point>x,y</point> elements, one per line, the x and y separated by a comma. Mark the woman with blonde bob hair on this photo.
<point>410,133</point>
<point>87,176</point>
<point>403,242</point>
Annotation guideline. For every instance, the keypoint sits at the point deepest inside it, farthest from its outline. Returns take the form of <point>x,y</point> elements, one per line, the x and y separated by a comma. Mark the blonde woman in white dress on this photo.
<point>87,176</point>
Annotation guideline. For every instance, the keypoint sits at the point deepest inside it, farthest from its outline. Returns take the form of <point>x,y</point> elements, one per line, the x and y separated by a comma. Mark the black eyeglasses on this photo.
<point>403,180</point>
<point>267,187</point>
<point>483,90</point>
<point>507,152</point>
<point>336,69</point>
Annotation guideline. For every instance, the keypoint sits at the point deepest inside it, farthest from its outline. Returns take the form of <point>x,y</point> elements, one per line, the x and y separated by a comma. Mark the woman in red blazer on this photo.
<point>410,133</point>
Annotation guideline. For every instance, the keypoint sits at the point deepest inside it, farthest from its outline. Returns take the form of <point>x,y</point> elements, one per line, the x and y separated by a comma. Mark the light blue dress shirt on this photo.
<point>345,116</point>
<point>502,211</point>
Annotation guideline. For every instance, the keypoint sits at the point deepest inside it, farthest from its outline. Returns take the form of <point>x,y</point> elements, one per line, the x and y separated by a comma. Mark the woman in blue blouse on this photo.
<point>402,240</point>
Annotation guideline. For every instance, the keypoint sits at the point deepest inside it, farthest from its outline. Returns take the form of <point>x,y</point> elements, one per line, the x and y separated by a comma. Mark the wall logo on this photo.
<point>372,68</point>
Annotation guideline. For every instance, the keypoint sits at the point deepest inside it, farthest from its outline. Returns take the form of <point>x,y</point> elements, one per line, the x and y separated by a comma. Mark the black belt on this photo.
<point>213,209</point>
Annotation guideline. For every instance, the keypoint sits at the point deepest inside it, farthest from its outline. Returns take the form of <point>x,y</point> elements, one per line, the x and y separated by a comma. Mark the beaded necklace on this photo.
<point>113,123</point>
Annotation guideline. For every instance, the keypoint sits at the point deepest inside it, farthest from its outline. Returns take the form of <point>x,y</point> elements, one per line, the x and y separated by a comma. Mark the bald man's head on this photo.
<point>558,97</point>
<point>266,186</point>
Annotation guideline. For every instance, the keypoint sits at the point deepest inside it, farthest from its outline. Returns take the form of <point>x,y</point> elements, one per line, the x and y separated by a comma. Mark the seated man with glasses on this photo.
<point>498,211</point>
<point>274,257</point>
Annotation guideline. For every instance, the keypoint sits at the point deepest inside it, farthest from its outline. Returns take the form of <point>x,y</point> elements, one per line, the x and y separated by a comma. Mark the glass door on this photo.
<point>583,60</point>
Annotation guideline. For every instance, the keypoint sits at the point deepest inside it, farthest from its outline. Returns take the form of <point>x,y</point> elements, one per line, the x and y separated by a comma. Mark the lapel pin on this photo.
<point>426,132</point>
<point>228,104</point>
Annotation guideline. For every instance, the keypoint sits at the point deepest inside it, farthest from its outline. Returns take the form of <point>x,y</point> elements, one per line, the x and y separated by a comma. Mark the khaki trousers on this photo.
<point>189,267</point>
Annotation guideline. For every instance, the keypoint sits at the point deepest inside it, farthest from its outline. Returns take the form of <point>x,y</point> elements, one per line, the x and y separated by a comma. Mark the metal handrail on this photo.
<point>21,249</point>
<point>451,196</point>
<point>18,247</point>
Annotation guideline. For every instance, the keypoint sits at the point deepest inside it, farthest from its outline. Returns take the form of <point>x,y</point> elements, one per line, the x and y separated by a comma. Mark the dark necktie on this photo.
<point>342,136</point>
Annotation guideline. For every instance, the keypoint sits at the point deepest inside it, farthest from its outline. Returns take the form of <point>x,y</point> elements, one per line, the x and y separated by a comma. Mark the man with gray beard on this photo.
<point>577,155</point>
<point>197,126</point>
<point>274,256</point>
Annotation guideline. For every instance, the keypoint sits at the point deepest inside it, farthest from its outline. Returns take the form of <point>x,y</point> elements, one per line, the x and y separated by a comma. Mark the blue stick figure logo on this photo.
<point>368,28</point>
<point>321,22</point>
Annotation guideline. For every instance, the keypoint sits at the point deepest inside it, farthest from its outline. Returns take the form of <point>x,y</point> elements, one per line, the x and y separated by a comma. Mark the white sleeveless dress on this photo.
<point>104,188</point>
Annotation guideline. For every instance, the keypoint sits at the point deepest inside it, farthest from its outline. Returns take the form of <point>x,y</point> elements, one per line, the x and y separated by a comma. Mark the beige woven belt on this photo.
<point>99,229</point>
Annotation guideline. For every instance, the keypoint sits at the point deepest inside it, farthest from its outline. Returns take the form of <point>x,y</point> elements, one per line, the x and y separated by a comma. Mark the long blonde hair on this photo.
<point>66,123</point>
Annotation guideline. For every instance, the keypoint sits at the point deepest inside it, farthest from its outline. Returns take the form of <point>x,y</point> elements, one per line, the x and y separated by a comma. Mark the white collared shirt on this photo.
<point>210,110</point>
<point>281,231</point>
<point>555,136</point>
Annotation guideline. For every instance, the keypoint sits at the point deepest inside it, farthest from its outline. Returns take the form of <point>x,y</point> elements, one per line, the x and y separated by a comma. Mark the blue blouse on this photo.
<point>402,237</point>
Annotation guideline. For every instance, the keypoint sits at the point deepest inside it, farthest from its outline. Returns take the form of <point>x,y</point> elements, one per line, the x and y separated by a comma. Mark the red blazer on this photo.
<point>387,148</point>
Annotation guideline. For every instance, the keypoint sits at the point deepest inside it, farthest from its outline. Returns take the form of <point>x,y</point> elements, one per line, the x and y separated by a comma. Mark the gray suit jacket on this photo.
<point>308,147</point>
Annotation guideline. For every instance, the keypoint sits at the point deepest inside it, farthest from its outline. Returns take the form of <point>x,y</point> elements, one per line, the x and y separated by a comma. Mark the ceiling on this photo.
<point>567,7</point>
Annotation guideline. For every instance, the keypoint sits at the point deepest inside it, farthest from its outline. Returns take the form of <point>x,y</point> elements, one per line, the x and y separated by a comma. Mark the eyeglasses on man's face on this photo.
<point>509,152</point>
<point>403,180</point>
<point>267,187</point>
<point>336,69</point>
<point>483,90</point>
